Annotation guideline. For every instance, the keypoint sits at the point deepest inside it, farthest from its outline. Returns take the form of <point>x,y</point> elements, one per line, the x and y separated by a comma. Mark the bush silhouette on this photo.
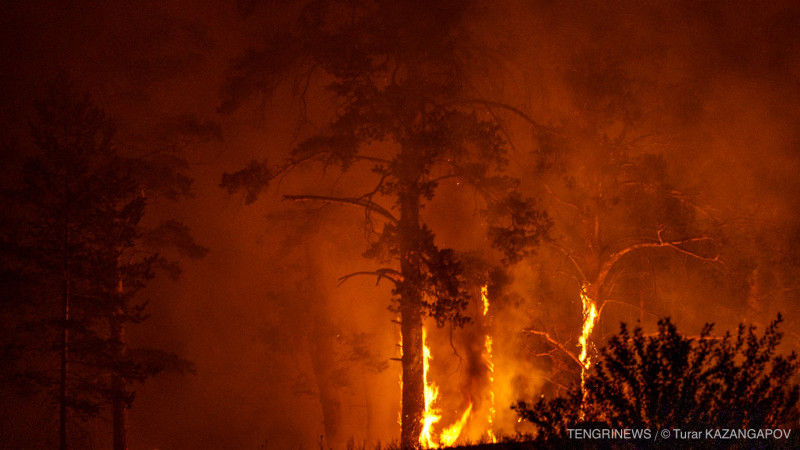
<point>669,381</point>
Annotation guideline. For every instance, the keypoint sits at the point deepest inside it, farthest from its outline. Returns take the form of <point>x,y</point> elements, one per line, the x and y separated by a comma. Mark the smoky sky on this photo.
<point>715,87</point>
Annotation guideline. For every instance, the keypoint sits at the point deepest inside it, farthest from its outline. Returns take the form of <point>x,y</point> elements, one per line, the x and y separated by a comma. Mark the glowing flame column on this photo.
<point>431,415</point>
<point>451,433</point>
<point>488,357</point>
<point>589,321</point>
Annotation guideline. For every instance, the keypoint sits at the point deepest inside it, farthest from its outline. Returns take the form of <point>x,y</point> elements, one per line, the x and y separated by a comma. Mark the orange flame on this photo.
<point>431,414</point>
<point>488,357</point>
<point>451,433</point>
<point>589,320</point>
<point>485,298</point>
<point>400,377</point>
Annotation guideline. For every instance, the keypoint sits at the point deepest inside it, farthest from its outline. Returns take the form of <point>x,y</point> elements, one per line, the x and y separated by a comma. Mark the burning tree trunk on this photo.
<point>413,395</point>
<point>598,261</point>
<point>489,360</point>
<point>404,112</point>
<point>590,285</point>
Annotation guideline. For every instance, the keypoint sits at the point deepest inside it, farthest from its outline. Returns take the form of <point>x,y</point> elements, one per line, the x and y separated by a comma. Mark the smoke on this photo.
<point>705,95</point>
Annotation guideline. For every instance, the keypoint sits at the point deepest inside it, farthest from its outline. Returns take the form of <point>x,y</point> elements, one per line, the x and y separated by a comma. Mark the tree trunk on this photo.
<point>413,396</point>
<point>324,364</point>
<point>413,382</point>
<point>62,397</point>
<point>118,400</point>
<point>118,394</point>
<point>65,300</point>
<point>322,351</point>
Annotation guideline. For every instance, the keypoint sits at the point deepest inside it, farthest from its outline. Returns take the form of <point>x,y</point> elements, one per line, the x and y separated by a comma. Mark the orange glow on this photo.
<point>589,320</point>
<point>431,415</point>
<point>489,363</point>
<point>451,433</point>
<point>485,298</point>
<point>400,377</point>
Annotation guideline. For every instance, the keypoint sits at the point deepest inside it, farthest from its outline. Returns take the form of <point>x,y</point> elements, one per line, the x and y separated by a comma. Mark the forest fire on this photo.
<point>450,434</point>
<point>222,221</point>
<point>399,352</point>
<point>589,320</point>
<point>431,414</point>
<point>489,358</point>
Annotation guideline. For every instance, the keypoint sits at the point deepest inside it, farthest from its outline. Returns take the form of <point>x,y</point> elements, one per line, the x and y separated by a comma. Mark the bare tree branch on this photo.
<point>357,201</point>
<point>615,257</point>
<point>560,200</point>
<point>557,344</point>
<point>571,259</point>
<point>631,305</point>
<point>387,273</point>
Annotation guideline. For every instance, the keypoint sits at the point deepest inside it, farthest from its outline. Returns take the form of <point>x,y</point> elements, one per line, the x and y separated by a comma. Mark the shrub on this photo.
<point>672,381</point>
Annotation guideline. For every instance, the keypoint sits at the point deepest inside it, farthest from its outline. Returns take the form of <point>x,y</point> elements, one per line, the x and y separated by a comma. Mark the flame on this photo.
<point>431,414</point>
<point>485,298</point>
<point>589,320</point>
<point>488,357</point>
<point>451,433</point>
<point>400,377</point>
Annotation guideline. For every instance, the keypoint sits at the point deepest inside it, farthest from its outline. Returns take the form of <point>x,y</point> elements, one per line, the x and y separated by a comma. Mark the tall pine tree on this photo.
<point>78,256</point>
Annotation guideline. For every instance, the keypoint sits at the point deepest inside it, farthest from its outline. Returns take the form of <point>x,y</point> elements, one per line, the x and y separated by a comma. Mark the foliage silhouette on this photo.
<point>74,264</point>
<point>405,124</point>
<point>669,381</point>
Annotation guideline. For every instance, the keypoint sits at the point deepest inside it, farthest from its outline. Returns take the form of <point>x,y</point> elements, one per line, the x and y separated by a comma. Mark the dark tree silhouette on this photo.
<point>80,255</point>
<point>669,380</point>
<point>405,124</point>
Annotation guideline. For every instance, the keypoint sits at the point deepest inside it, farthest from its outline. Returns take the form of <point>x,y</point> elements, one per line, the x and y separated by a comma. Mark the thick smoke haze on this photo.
<point>653,120</point>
